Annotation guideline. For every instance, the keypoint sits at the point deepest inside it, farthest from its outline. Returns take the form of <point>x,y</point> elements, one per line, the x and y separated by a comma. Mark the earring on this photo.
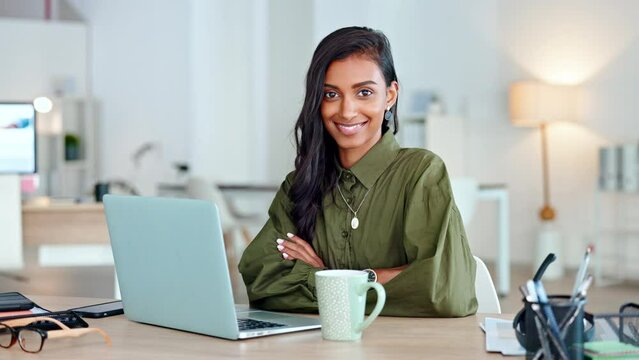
<point>388,114</point>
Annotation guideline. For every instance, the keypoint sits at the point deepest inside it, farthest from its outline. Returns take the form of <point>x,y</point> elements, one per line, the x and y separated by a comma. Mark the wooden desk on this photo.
<point>64,224</point>
<point>396,338</point>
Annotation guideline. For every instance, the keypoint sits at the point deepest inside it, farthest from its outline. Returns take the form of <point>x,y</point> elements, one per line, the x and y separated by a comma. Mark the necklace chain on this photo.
<point>346,202</point>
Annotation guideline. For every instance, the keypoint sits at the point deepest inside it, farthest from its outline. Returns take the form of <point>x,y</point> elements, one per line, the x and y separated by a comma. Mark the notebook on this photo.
<point>172,270</point>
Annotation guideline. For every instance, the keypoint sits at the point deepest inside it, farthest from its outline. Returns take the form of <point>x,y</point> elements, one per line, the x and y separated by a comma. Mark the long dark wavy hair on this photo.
<point>315,169</point>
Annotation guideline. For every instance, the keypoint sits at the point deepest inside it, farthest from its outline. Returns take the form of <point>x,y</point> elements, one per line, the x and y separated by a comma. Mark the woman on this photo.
<point>356,200</point>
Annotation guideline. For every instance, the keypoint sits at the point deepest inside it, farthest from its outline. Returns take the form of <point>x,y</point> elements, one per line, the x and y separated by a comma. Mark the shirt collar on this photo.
<point>376,160</point>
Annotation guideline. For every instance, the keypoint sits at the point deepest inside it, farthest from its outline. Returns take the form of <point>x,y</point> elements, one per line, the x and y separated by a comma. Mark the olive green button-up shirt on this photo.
<point>408,217</point>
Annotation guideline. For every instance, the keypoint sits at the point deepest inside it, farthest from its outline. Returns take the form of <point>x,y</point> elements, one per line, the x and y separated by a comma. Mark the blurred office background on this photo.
<point>164,95</point>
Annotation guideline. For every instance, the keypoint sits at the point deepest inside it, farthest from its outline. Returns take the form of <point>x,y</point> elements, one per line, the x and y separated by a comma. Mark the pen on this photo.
<point>569,319</point>
<point>530,293</point>
<point>530,287</point>
<point>545,347</point>
<point>563,326</point>
<point>633,330</point>
<point>581,273</point>
<point>551,320</point>
<point>583,288</point>
<point>542,268</point>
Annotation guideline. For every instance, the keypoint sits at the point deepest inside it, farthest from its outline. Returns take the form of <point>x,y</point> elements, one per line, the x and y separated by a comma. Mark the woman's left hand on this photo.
<point>388,274</point>
<point>296,248</point>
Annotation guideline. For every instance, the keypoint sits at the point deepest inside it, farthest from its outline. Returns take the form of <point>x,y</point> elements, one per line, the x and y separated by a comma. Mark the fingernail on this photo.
<point>285,255</point>
<point>289,235</point>
<point>280,247</point>
<point>279,241</point>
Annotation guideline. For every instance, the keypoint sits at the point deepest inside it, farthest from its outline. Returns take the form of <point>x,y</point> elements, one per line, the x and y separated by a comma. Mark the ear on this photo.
<point>391,94</point>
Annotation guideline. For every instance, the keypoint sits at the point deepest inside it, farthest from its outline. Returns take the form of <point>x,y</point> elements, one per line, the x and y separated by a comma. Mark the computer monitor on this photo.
<point>17,138</point>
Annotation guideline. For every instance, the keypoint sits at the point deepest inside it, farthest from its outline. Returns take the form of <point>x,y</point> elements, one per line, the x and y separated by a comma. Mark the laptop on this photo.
<point>173,272</point>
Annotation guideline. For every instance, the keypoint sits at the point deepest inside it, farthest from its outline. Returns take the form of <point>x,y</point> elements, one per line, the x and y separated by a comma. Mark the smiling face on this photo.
<point>355,98</point>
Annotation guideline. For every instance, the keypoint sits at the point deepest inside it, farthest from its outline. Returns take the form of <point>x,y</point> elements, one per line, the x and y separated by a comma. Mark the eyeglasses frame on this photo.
<point>17,325</point>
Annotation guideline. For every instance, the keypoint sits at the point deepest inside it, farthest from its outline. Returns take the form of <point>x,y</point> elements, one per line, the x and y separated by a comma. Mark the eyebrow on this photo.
<point>367,82</point>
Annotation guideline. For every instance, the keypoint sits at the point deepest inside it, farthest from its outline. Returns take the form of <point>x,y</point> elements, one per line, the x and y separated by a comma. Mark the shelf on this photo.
<point>615,235</point>
<point>69,178</point>
<point>618,193</point>
<point>75,165</point>
<point>618,232</point>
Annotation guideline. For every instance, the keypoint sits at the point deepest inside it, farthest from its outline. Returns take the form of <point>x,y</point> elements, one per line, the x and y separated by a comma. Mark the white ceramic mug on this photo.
<point>341,297</point>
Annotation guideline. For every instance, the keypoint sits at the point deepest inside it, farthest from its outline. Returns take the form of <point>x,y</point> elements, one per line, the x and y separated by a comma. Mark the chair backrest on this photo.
<point>466,192</point>
<point>487,299</point>
<point>200,188</point>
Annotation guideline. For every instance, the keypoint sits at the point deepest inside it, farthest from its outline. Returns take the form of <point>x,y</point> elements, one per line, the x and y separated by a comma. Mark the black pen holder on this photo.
<point>578,330</point>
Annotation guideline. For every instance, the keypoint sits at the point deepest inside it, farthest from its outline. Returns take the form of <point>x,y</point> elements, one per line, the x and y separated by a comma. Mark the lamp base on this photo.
<point>547,213</point>
<point>549,241</point>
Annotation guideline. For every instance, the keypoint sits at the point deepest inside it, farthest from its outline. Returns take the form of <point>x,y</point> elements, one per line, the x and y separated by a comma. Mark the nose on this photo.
<point>348,108</point>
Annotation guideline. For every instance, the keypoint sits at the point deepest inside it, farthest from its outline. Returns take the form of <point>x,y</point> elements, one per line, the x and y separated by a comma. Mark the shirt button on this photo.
<point>344,234</point>
<point>348,176</point>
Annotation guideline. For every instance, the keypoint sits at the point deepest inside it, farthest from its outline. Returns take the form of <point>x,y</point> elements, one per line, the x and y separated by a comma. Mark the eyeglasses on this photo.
<point>31,338</point>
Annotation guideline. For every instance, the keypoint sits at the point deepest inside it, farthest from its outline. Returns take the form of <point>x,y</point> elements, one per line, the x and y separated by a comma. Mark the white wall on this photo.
<point>291,48</point>
<point>35,53</point>
<point>189,75</point>
<point>229,90</point>
<point>141,79</point>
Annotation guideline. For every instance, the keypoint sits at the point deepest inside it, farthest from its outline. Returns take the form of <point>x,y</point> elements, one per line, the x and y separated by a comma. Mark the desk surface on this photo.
<point>397,338</point>
<point>64,224</point>
<point>63,207</point>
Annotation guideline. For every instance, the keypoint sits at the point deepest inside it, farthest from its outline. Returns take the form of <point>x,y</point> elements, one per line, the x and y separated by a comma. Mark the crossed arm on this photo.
<point>296,248</point>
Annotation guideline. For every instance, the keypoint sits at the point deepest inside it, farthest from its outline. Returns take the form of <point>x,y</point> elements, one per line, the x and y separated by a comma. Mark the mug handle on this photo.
<point>381,300</point>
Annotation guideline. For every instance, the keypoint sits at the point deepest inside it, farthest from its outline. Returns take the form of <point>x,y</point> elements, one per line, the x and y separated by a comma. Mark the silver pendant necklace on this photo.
<point>355,220</point>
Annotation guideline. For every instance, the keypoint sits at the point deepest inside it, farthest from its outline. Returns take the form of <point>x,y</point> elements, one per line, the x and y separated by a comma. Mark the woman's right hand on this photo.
<point>296,248</point>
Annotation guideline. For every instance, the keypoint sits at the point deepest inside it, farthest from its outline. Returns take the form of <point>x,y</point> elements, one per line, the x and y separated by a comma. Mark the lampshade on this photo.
<point>533,103</point>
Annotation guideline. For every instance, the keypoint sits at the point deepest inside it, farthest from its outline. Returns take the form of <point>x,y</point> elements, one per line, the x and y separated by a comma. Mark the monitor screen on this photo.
<point>17,138</point>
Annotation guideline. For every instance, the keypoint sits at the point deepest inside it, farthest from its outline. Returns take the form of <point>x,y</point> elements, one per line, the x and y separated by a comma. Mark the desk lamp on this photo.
<point>537,104</point>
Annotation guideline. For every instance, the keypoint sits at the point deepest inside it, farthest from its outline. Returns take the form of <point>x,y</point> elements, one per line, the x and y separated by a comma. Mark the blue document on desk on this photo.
<point>500,337</point>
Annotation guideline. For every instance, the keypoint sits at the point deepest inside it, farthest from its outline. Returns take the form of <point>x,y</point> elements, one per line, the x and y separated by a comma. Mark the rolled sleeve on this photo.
<point>440,279</point>
<point>273,283</point>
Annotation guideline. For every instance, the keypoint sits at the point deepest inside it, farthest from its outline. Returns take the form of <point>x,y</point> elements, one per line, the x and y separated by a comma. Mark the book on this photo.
<point>610,350</point>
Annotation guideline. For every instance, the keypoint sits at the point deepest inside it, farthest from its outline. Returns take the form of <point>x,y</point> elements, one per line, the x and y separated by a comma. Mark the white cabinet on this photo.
<point>616,215</point>
<point>411,130</point>
<point>616,236</point>
<point>445,135</point>
<point>629,167</point>
<point>10,223</point>
<point>67,148</point>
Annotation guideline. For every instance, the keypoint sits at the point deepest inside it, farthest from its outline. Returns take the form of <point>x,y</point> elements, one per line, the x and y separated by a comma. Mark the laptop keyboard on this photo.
<point>251,324</point>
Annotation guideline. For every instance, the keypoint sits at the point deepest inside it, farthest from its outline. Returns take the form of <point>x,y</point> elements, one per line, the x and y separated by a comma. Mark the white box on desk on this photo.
<point>629,167</point>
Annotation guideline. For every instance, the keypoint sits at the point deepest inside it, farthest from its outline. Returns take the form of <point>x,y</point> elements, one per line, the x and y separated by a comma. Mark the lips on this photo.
<point>350,129</point>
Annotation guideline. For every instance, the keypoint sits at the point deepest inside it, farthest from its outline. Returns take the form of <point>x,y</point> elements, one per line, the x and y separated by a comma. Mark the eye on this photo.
<point>329,95</point>
<point>365,93</point>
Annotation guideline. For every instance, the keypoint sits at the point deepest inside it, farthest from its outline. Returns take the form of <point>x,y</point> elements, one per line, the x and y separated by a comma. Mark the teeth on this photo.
<point>350,129</point>
<point>350,126</point>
